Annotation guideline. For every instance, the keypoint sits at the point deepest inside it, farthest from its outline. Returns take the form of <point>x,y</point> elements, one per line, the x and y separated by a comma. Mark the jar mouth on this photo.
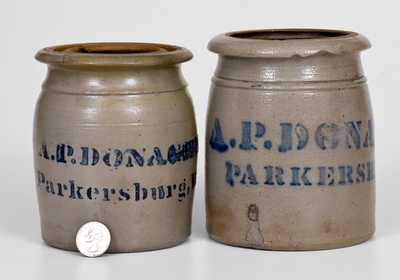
<point>114,54</point>
<point>284,43</point>
<point>289,34</point>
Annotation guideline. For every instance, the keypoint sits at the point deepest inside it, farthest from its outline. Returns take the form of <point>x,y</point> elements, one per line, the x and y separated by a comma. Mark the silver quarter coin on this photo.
<point>93,239</point>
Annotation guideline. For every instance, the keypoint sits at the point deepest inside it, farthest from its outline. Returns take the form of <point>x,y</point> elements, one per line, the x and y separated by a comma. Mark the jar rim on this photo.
<point>285,43</point>
<point>114,54</point>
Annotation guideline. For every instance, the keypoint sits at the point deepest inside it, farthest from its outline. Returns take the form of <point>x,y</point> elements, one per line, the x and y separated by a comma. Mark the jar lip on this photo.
<point>285,43</point>
<point>114,54</point>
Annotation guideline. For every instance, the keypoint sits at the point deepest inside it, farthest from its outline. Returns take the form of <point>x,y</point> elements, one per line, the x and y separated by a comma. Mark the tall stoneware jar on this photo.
<point>290,147</point>
<point>115,142</point>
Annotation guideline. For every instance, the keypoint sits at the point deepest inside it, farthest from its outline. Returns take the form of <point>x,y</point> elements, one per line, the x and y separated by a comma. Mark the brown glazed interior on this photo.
<point>289,34</point>
<point>114,54</point>
<point>114,48</point>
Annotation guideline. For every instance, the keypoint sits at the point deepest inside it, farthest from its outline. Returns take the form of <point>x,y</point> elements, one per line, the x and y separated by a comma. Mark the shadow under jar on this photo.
<point>115,141</point>
<point>290,147</point>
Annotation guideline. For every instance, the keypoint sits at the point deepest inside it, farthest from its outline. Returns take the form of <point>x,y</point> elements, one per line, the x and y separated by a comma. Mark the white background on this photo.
<point>26,26</point>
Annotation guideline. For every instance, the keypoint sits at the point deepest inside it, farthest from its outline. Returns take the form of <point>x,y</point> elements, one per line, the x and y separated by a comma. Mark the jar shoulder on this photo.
<point>57,109</point>
<point>290,104</point>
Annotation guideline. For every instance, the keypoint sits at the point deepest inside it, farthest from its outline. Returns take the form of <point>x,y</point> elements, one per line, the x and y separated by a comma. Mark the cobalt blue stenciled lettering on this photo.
<point>119,157</point>
<point>294,136</point>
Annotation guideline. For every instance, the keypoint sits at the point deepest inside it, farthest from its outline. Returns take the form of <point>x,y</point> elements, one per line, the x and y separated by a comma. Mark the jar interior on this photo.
<point>289,34</point>
<point>114,48</point>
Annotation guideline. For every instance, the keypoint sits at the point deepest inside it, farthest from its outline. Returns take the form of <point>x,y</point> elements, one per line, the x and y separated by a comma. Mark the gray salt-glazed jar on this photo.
<point>115,142</point>
<point>290,147</point>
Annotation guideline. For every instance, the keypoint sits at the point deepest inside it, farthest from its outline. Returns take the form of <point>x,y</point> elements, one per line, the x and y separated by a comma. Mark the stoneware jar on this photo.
<point>290,147</point>
<point>115,142</point>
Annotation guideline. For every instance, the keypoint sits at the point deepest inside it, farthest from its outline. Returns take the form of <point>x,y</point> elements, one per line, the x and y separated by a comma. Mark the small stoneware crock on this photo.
<point>115,142</point>
<point>290,147</point>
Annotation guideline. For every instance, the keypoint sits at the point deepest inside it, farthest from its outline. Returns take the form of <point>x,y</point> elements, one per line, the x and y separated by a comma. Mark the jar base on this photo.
<point>111,250</point>
<point>296,247</point>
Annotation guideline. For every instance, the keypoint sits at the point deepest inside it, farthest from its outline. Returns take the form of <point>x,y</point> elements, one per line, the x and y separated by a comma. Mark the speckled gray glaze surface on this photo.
<point>290,147</point>
<point>115,142</point>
